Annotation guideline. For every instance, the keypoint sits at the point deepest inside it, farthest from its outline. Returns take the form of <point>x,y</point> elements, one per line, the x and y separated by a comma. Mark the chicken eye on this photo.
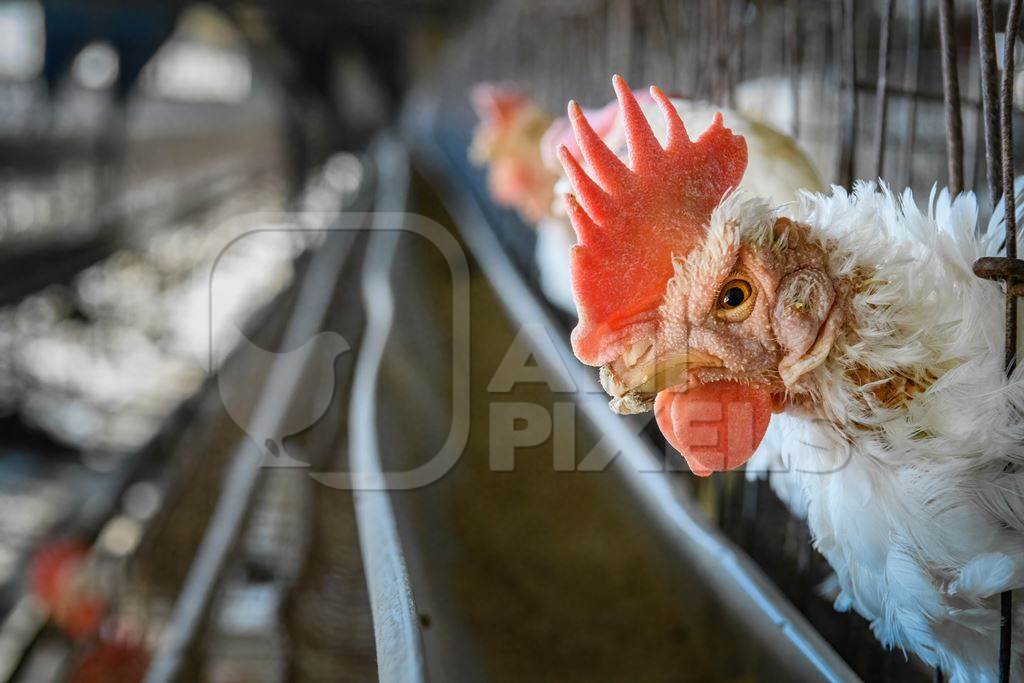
<point>734,294</point>
<point>735,301</point>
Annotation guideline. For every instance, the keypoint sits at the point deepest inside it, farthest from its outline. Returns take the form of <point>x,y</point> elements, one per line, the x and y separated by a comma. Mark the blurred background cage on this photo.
<point>133,137</point>
<point>133,132</point>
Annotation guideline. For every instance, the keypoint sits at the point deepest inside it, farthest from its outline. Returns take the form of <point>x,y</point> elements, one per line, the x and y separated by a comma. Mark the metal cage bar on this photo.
<point>882,87</point>
<point>1007,268</point>
<point>951,98</point>
<point>989,95</point>
<point>1006,125</point>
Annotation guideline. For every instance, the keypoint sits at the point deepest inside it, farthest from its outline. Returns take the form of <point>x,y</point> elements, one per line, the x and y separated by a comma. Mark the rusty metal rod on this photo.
<point>1010,219</point>
<point>951,98</point>
<point>881,87</point>
<point>1006,139</point>
<point>989,96</point>
<point>999,268</point>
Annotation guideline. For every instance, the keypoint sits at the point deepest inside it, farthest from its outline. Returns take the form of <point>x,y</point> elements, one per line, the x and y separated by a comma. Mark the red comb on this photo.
<point>602,120</point>
<point>631,220</point>
<point>497,102</point>
<point>56,578</point>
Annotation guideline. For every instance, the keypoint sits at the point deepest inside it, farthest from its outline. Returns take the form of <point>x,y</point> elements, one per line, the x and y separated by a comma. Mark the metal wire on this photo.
<point>1006,149</point>
<point>1010,350</point>
<point>912,76</point>
<point>989,96</point>
<point>881,89</point>
<point>794,57</point>
<point>951,98</point>
<point>847,59</point>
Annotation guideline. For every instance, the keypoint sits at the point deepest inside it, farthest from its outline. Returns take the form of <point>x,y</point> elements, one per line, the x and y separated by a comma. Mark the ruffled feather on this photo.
<point>912,505</point>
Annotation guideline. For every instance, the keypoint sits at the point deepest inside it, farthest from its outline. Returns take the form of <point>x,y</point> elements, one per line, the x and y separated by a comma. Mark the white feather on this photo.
<point>912,506</point>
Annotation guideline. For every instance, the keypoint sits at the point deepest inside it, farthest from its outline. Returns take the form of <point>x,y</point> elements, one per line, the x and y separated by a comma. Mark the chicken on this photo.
<point>508,141</point>
<point>519,143</point>
<point>61,578</point>
<point>848,331</point>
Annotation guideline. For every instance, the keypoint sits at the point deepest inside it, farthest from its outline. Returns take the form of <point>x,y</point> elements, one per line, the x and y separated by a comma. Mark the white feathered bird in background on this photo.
<point>849,327</point>
<point>518,142</point>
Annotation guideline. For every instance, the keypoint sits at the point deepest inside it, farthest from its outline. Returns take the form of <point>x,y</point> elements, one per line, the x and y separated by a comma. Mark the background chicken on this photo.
<point>508,141</point>
<point>518,142</point>
<point>856,318</point>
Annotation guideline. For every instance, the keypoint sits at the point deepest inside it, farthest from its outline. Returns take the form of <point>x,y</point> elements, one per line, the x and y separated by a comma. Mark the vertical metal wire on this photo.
<point>989,96</point>
<point>699,78</point>
<point>736,37</point>
<point>794,58</point>
<point>619,35</point>
<point>1006,140</point>
<point>912,75</point>
<point>976,164</point>
<point>848,75</point>
<point>1006,148</point>
<point>724,52</point>
<point>668,35</point>
<point>715,49</point>
<point>951,98</point>
<point>882,87</point>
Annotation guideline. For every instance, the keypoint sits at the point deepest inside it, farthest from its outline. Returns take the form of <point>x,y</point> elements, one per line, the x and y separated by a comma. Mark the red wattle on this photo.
<point>716,426</point>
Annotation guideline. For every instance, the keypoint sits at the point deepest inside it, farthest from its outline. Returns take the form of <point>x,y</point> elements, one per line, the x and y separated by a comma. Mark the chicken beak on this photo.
<point>633,380</point>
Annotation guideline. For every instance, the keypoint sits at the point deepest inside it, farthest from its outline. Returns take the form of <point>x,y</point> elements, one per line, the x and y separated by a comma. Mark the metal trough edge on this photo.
<point>400,654</point>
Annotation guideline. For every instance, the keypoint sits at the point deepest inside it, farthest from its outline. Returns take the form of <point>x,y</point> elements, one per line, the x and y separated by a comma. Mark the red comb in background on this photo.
<point>630,220</point>
<point>58,577</point>
<point>497,103</point>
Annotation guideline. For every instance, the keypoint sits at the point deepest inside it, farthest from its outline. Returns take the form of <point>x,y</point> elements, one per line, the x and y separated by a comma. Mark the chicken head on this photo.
<point>507,140</point>
<point>698,302</point>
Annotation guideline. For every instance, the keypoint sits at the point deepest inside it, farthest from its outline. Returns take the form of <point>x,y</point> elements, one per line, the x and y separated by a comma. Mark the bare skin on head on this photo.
<point>680,284</point>
<point>754,313</point>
